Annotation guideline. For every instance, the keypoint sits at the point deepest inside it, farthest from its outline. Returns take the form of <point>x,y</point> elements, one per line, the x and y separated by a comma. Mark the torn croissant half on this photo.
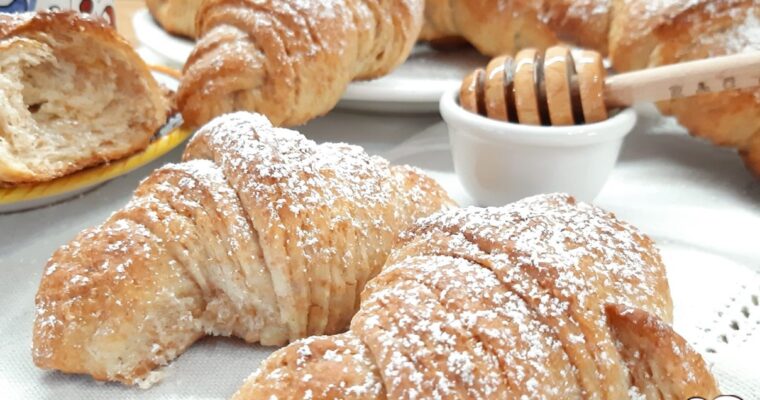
<point>73,94</point>
<point>259,234</point>
<point>545,298</point>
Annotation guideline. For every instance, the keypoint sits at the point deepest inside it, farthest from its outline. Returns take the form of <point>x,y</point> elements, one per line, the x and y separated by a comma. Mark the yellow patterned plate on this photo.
<point>24,197</point>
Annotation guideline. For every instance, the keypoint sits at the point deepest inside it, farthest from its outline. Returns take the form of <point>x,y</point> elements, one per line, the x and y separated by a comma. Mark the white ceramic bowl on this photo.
<point>500,162</point>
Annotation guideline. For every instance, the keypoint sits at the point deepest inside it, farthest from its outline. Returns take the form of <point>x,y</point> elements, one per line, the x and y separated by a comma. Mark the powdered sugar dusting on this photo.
<point>526,351</point>
<point>565,260</point>
<point>642,16</point>
<point>742,37</point>
<point>656,8</point>
<point>554,234</point>
<point>298,193</point>
<point>260,234</point>
<point>299,371</point>
<point>500,303</point>
<point>423,349</point>
<point>582,10</point>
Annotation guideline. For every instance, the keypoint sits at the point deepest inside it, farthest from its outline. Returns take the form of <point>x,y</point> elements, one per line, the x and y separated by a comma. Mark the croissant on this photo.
<point>291,60</point>
<point>643,36</point>
<point>497,27</point>
<point>73,94</point>
<point>545,298</point>
<point>259,234</point>
<point>636,34</point>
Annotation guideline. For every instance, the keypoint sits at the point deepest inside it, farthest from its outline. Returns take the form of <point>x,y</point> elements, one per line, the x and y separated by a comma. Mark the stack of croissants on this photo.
<point>378,285</point>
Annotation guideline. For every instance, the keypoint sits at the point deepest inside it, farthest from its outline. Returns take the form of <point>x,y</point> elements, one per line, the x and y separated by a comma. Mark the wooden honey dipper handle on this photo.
<point>674,81</point>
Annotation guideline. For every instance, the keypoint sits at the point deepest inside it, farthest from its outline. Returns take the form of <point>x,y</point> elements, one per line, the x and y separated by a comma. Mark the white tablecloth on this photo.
<point>697,201</point>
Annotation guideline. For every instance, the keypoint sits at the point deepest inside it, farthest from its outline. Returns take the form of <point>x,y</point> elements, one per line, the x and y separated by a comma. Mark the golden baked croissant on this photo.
<point>644,36</point>
<point>291,60</point>
<point>175,16</point>
<point>259,234</point>
<point>545,298</point>
<point>73,93</point>
<point>497,27</point>
<point>636,34</point>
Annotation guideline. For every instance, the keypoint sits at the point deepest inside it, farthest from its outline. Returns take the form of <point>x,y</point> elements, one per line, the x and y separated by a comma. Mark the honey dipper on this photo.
<point>557,88</point>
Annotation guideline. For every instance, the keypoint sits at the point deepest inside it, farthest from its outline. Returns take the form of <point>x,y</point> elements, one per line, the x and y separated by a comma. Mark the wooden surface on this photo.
<point>124,11</point>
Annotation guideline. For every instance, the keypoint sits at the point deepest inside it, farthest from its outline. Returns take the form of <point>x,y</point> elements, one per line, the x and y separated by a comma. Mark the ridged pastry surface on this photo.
<point>260,234</point>
<point>291,60</point>
<point>672,32</point>
<point>545,298</point>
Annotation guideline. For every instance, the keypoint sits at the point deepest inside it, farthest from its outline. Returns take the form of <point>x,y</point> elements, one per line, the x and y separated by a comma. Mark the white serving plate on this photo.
<point>414,87</point>
<point>698,203</point>
<point>174,49</point>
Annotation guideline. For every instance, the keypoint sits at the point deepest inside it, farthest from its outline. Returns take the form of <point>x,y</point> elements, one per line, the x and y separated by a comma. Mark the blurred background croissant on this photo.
<point>293,60</point>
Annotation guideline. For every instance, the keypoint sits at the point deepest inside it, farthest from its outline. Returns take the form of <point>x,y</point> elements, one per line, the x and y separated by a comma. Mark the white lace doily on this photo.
<point>716,310</point>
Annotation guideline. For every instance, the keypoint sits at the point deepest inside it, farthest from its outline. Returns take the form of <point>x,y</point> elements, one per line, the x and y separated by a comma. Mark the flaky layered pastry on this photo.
<point>259,234</point>
<point>497,27</point>
<point>73,93</point>
<point>545,298</point>
<point>646,36</point>
<point>291,60</point>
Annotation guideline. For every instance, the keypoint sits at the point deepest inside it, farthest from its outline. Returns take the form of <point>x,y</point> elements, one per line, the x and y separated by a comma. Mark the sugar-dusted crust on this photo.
<point>319,367</point>
<point>498,27</point>
<point>660,362</point>
<point>513,302</point>
<point>648,33</point>
<point>259,234</point>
